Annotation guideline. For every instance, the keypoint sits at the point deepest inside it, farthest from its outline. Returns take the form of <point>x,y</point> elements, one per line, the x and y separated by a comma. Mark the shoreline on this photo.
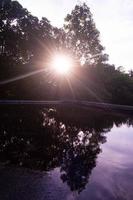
<point>69,102</point>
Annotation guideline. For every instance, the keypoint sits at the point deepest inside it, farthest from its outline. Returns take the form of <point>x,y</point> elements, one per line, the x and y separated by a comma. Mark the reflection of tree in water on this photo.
<point>79,159</point>
<point>79,152</point>
<point>47,139</point>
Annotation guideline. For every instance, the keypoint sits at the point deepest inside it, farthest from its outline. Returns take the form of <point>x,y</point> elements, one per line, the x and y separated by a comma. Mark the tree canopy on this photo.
<point>83,36</point>
<point>28,44</point>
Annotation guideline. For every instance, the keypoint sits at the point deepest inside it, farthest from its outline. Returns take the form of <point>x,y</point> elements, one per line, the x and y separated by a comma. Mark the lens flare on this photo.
<point>62,64</point>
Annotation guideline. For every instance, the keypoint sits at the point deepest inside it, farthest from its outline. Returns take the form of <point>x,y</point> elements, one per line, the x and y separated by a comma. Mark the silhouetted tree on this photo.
<point>28,44</point>
<point>82,35</point>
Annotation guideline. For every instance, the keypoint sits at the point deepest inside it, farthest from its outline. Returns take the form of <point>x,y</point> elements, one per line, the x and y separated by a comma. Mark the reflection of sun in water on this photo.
<point>62,64</point>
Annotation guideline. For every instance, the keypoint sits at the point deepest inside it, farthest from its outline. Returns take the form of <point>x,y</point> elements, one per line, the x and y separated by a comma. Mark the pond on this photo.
<point>70,153</point>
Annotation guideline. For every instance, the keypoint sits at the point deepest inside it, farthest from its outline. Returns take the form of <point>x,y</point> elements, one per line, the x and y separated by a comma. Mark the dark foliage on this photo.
<point>27,44</point>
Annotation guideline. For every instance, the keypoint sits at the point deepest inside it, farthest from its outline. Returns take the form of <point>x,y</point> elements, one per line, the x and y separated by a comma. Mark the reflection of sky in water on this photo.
<point>118,150</point>
<point>113,178</point>
<point>69,152</point>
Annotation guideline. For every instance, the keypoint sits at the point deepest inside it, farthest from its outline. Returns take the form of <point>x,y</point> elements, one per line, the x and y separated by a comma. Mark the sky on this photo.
<point>113,18</point>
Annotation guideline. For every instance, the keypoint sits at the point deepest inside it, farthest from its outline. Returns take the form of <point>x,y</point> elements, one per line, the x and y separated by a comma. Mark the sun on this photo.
<point>62,64</point>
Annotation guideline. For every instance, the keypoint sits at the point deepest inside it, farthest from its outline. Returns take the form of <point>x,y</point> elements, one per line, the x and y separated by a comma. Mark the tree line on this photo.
<point>27,44</point>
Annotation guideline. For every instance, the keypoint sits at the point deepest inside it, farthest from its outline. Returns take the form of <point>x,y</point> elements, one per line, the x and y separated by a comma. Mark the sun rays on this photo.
<point>62,64</point>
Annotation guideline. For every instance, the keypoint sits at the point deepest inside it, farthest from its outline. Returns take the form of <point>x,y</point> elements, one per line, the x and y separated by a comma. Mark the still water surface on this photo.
<point>65,153</point>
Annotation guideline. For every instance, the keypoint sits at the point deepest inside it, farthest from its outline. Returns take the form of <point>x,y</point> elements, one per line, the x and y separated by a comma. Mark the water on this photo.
<point>69,153</point>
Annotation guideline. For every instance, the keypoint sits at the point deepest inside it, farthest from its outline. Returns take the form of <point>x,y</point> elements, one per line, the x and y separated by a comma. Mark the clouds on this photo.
<point>114,20</point>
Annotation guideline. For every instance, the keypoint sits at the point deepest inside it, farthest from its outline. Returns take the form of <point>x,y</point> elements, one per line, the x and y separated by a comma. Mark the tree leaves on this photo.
<point>82,35</point>
<point>27,44</point>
